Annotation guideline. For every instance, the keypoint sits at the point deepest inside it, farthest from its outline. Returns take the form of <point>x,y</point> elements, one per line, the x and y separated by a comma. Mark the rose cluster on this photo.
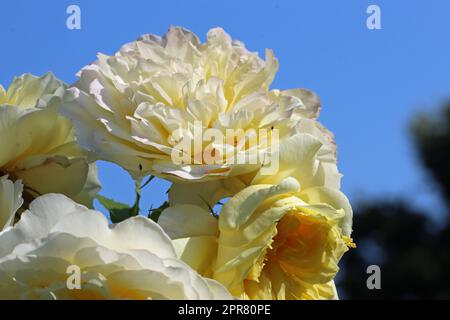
<point>254,210</point>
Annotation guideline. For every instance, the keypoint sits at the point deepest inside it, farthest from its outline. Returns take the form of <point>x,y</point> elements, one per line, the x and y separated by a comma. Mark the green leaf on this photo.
<point>110,203</point>
<point>119,215</point>
<point>119,211</point>
<point>155,213</point>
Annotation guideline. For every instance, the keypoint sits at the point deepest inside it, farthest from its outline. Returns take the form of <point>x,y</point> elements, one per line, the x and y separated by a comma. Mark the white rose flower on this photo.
<point>151,99</point>
<point>134,259</point>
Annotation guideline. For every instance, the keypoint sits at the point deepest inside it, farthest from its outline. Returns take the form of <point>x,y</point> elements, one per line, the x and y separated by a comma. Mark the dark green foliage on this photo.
<point>119,211</point>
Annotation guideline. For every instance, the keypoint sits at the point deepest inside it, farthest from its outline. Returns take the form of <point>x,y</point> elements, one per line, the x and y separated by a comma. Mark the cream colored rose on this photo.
<point>38,145</point>
<point>151,99</point>
<point>278,242</point>
<point>134,259</point>
<point>10,200</point>
<point>269,241</point>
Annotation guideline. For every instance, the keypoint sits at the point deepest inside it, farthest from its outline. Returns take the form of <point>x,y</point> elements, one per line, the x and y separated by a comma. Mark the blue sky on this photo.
<point>371,82</point>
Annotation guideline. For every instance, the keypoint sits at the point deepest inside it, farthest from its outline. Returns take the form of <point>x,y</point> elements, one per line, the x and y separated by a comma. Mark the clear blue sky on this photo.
<point>371,82</point>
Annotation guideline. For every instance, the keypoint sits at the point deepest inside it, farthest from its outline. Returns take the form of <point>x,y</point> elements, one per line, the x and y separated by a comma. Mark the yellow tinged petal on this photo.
<point>56,175</point>
<point>180,221</point>
<point>10,200</point>
<point>197,252</point>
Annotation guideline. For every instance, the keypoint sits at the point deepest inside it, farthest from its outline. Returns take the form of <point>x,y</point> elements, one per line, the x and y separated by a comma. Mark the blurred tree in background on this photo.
<point>411,250</point>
